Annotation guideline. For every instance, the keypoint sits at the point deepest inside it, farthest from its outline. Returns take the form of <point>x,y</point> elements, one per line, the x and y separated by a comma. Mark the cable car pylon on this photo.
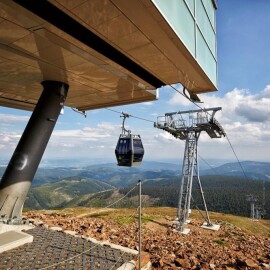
<point>188,125</point>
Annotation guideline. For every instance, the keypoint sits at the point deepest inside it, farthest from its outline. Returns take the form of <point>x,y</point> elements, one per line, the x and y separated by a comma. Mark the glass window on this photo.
<point>205,58</point>
<point>191,6</point>
<point>180,16</point>
<point>205,26</point>
<point>208,4</point>
<point>180,19</point>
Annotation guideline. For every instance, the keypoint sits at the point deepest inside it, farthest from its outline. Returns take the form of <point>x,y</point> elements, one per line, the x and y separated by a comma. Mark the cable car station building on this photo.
<point>90,54</point>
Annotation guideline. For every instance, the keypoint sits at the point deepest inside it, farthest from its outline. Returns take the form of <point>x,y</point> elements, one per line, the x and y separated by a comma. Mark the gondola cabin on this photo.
<point>129,150</point>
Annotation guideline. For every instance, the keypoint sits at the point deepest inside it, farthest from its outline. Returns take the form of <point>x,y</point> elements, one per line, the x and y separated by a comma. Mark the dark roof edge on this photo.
<point>63,21</point>
<point>214,2</point>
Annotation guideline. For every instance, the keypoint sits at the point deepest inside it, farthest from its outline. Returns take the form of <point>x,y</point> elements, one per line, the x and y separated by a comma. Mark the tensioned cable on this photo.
<point>68,259</point>
<point>75,256</point>
<point>210,166</point>
<point>140,118</point>
<point>199,210</point>
<point>179,92</point>
<point>121,198</point>
<point>236,156</point>
<point>118,261</point>
<point>108,206</point>
<point>135,213</point>
<point>226,135</point>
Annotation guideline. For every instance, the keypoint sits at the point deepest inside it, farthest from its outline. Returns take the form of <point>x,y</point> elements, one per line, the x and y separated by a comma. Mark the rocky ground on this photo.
<point>228,248</point>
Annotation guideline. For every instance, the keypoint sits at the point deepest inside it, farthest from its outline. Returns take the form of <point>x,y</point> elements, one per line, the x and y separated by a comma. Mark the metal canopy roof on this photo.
<point>110,52</point>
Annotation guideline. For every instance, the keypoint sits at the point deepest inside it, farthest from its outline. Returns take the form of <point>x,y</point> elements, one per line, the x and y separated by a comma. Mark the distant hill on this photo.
<point>253,170</point>
<point>145,166</point>
<point>59,193</point>
<point>121,177</point>
<point>110,172</point>
<point>124,176</point>
<point>225,194</point>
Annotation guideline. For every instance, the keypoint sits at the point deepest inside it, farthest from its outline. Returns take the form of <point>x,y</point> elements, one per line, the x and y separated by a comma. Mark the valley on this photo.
<point>101,185</point>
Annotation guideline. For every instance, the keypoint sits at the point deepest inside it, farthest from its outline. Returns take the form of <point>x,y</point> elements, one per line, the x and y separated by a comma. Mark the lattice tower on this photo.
<point>188,125</point>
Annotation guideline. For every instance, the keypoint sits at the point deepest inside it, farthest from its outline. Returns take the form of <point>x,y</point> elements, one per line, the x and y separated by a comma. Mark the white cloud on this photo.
<point>178,100</point>
<point>10,118</point>
<point>76,142</point>
<point>245,117</point>
<point>88,133</point>
<point>108,126</point>
<point>240,104</point>
<point>148,103</point>
<point>8,142</point>
<point>164,137</point>
<point>236,103</point>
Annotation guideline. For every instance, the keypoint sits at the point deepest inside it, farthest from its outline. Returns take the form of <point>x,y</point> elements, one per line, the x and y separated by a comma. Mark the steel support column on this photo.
<point>22,167</point>
<point>183,210</point>
<point>188,125</point>
<point>197,177</point>
<point>190,171</point>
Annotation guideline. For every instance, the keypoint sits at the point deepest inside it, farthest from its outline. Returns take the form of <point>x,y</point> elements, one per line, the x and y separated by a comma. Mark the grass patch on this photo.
<point>220,242</point>
<point>240,239</point>
<point>125,220</point>
<point>122,216</point>
<point>98,215</point>
<point>148,218</point>
<point>259,227</point>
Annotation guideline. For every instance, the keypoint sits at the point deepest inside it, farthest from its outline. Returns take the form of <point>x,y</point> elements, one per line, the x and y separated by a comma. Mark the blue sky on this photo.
<point>244,93</point>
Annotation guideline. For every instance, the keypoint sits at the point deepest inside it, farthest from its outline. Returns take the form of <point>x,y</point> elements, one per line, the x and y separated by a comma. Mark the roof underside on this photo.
<point>110,52</point>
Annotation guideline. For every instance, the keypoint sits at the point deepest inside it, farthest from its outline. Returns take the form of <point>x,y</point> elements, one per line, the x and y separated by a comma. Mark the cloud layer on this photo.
<point>245,117</point>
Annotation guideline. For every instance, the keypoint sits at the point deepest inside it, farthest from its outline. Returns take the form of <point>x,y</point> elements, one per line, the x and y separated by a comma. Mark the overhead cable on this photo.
<point>130,115</point>
<point>226,135</point>
<point>236,157</point>
<point>81,253</point>
<point>210,166</point>
<point>203,109</point>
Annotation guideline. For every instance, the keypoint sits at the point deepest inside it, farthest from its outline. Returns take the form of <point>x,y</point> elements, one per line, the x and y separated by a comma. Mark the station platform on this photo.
<point>57,250</point>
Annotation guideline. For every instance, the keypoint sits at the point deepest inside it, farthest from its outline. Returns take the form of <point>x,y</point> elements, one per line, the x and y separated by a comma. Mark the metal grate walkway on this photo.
<point>51,247</point>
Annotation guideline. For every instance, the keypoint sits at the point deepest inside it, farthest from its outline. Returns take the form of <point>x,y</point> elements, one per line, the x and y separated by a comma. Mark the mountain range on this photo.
<point>225,194</point>
<point>252,170</point>
<point>123,176</point>
<point>226,186</point>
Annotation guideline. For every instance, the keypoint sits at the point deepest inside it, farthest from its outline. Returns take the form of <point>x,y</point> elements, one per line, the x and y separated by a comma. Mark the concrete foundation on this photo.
<point>213,227</point>
<point>17,228</point>
<point>184,231</point>
<point>13,239</point>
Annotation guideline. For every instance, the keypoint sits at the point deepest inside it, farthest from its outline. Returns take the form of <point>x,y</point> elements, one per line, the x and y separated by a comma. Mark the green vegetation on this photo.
<point>125,220</point>
<point>60,193</point>
<point>162,215</point>
<point>224,194</point>
<point>220,242</point>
